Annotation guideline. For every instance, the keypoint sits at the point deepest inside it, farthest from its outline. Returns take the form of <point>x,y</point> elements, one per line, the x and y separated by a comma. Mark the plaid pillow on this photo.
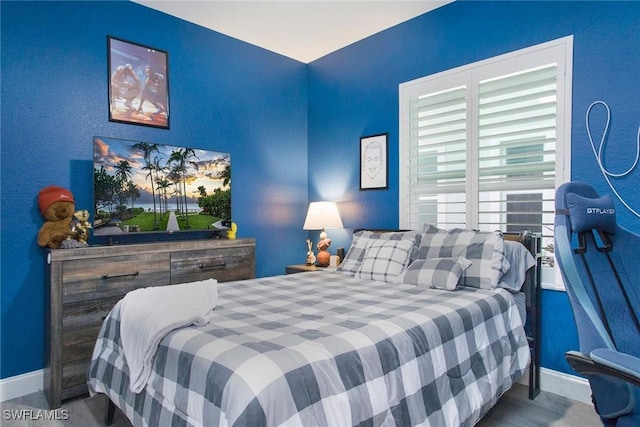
<point>416,236</point>
<point>485,251</point>
<point>385,259</point>
<point>353,258</point>
<point>435,273</point>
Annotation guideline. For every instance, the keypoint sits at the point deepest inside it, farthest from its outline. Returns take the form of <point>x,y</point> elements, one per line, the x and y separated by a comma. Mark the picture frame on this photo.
<point>138,84</point>
<point>374,163</point>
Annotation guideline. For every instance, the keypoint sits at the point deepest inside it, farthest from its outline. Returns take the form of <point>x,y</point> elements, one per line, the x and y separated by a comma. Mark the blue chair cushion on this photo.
<point>591,213</point>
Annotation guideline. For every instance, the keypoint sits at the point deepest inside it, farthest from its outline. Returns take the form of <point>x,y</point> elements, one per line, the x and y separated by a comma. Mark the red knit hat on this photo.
<point>51,194</point>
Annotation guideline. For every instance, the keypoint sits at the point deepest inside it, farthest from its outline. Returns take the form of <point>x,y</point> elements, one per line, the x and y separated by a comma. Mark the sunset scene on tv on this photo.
<point>148,187</point>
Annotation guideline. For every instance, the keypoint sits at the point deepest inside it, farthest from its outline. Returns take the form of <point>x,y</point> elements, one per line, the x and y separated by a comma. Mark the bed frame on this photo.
<point>533,291</point>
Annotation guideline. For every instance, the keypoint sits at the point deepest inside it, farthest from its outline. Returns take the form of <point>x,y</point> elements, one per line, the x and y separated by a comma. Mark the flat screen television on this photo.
<point>144,188</point>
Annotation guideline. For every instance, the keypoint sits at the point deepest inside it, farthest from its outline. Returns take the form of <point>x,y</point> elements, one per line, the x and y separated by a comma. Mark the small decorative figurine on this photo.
<point>323,255</point>
<point>231,234</point>
<point>81,225</point>
<point>311,258</point>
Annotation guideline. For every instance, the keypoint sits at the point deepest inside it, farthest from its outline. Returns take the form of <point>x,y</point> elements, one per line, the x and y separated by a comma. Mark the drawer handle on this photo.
<point>212,266</point>
<point>118,276</point>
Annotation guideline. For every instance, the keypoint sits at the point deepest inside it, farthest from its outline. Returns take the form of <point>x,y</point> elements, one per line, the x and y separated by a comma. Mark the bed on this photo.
<point>336,347</point>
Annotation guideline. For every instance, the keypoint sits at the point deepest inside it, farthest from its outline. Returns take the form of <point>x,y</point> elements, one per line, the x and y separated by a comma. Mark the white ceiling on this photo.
<point>300,29</point>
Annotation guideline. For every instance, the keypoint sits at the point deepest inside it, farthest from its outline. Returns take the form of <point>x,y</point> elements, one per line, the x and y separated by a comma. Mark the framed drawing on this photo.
<point>138,84</point>
<point>374,171</point>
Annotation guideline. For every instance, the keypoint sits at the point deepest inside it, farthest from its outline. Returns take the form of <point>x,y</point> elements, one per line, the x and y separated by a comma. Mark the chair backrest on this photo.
<point>600,265</point>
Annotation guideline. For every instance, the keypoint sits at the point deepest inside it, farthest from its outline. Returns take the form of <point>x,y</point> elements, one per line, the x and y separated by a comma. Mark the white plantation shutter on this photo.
<point>517,150</point>
<point>484,146</point>
<point>436,157</point>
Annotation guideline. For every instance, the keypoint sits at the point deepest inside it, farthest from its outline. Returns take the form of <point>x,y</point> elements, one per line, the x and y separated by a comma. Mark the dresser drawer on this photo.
<point>74,376</point>
<point>85,284</point>
<point>81,321</point>
<point>221,264</point>
<point>95,278</point>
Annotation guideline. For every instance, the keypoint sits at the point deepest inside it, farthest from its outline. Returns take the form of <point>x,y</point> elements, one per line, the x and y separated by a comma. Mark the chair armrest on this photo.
<point>606,362</point>
<point>624,363</point>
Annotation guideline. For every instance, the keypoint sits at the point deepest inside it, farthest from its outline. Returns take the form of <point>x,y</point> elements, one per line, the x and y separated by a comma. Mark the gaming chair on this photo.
<point>600,265</point>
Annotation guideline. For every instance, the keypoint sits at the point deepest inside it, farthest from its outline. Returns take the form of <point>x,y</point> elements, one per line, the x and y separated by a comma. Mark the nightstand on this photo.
<point>301,268</point>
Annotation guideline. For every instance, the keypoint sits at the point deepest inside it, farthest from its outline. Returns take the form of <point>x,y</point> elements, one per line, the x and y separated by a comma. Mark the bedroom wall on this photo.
<point>230,96</point>
<point>225,95</point>
<point>354,92</point>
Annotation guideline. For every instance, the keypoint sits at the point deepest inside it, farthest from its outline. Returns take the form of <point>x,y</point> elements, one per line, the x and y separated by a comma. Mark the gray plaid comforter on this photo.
<point>325,349</point>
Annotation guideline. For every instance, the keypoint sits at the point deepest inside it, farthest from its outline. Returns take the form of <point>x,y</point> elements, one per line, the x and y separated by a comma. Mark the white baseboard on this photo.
<point>559,383</point>
<point>569,386</point>
<point>21,385</point>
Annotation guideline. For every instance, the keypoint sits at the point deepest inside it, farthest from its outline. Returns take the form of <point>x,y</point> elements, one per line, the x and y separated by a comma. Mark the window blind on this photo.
<point>515,153</point>
<point>437,157</point>
<point>479,143</point>
<point>517,149</point>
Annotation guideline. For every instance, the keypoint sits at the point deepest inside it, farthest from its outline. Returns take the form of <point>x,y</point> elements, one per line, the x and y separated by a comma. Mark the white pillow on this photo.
<point>385,259</point>
<point>435,273</point>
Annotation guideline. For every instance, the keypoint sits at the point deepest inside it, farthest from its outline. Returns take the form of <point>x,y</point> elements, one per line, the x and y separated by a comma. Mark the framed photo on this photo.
<point>138,84</point>
<point>374,170</point>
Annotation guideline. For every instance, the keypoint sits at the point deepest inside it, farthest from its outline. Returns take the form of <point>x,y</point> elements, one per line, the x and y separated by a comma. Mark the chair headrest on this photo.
<point>591,214</point>
<point>585,208</point>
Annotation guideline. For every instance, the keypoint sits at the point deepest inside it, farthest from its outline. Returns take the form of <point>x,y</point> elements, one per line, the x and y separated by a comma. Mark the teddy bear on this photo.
<point>57,207</point>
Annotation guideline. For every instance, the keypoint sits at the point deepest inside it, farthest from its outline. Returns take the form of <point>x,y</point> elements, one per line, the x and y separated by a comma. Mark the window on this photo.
<point>485,145</point>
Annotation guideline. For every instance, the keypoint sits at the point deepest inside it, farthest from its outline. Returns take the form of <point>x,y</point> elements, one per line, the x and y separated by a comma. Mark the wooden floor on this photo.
<point>513,410</point>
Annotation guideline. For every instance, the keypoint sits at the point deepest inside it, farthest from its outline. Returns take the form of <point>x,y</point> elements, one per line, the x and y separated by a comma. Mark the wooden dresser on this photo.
<point>84,284</point>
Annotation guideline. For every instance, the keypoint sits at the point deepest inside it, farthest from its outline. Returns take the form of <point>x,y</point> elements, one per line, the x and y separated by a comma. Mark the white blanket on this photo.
<point>148,314</point>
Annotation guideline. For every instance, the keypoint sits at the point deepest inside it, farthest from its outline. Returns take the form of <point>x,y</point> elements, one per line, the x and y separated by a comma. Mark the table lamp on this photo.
<point>320,216</point>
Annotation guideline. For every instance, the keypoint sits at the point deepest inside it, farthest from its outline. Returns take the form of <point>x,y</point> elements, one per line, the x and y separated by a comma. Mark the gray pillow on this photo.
<point>520,260</point>
<point>435,273</point>
<point>354,256</point>
<point>484,249</point>
<point>385,259</point>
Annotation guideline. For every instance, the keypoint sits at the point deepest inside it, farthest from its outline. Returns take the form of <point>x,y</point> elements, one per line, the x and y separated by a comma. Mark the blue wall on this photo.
<point>292,130</point>
<point>354,92</point>
<point>225,95</point>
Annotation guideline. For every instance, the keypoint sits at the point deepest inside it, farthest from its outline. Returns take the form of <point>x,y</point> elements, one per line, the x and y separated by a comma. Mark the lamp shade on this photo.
<point>322,215</point>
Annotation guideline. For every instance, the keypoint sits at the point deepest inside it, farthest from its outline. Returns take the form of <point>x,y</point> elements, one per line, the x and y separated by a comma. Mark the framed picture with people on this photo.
<point>374,171</point>
<point>138,84</point>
